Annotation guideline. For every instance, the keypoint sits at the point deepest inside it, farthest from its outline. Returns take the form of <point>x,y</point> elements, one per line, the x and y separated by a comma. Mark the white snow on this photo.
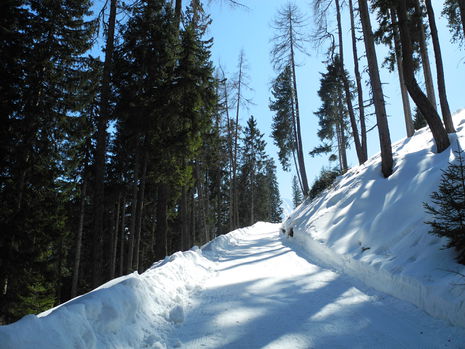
<point>373,228</point>
<point>330,286</point>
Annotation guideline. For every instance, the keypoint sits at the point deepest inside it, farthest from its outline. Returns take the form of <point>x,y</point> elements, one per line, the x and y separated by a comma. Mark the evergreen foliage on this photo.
<point>325,179</point>
<point>297,196</point>
<point>333,115</point>
<point>448,206</point>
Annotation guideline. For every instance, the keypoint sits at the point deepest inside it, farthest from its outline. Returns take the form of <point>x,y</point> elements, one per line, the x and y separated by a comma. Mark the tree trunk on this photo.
<point>425,57</point>
<point>422,102</point>
<point>161,240</point>
<point>299,147</point>
<point>140,213</point>
<point>132,224</point>
<point>403,89</point>
<point>177,11</point>
<point>236,137</point>
<point>348,95</point>
<point>114,240</point>
<point>377,90</point>
<point>341,136</point>
<point>122,237</point>
<point>358,79</point>
<point>446,116</point>
<point>77,256</point>
<point>100,149</point>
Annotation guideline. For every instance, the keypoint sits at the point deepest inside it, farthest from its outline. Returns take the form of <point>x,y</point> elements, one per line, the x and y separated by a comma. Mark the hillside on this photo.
<point>373,228</point>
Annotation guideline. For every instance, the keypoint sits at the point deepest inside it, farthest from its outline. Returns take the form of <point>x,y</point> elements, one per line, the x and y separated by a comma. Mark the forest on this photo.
<point>109,164</point>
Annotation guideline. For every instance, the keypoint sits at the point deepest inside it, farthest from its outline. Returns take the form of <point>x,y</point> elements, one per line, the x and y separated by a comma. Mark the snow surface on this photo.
<point>373,228</point>
<point>330,286</point>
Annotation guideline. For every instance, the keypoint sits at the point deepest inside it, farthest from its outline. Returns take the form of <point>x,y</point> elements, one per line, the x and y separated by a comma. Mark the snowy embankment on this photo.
<point>373,229</point>
<point>133,311</point>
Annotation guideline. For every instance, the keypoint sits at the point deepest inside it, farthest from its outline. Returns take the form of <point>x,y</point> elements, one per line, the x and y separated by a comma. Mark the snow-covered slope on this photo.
<point>373,228</point>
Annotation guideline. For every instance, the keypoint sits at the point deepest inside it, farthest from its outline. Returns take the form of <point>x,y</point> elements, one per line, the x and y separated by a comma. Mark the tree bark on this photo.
<point>422,102</point>
<point>77,256</point>
<point>358,79</point>
<point>161,240</point>
<point>122,236</point>
<point>140,213</point>
<point>114,240</point>
<point>100,149</point>
<point>445,110</point>
<point>132,224</point>
<point>410,129</point>
<point>348,95</point>
<point>299,147</point>
<point>377,90</point>
<point>425,57</point>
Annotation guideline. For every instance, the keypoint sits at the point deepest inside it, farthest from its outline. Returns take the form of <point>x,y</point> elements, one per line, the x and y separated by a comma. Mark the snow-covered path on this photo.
<point>265,295</point>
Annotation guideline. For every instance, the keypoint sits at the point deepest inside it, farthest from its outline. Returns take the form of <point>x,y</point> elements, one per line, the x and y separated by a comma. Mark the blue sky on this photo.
<point>234,29</point>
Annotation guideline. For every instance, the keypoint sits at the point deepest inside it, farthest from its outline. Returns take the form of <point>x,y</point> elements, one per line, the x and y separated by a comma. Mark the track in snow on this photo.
<point>265,295</point>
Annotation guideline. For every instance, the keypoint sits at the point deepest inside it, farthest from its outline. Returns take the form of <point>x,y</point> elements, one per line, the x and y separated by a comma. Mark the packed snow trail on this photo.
<point>265,294</point>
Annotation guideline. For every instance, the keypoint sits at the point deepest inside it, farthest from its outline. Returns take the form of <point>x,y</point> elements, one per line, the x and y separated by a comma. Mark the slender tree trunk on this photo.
<point>140,213</point>
<point>236,137</point>
<point>200,191</point>
<point>425,57</point>
<point>299,147</point>
<point>122,236</point>
<point>132,224</point>
<point>348,95</point>
<point>422,102</point>
<point>100,149</point>
<point>161,240</point>
<point>114,240</point>
<point>184,220</point>
<point>77,256</point>
<point>342,137</point>
<point>403,89</point>
<point>358,79</point>
<point>177,11</point>
<point>377,90</point>
<point>446,116</point>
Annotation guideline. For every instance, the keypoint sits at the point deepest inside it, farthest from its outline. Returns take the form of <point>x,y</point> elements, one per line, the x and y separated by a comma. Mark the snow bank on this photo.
<point>373,228</point>
<point>134,311</point>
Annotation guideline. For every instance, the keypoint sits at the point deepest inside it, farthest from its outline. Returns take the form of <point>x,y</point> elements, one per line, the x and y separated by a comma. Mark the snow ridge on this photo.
<point>122,313</point>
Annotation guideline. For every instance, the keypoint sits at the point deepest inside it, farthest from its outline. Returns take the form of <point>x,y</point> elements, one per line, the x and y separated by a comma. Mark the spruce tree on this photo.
<point>296,193</point>
<point>448,206</point>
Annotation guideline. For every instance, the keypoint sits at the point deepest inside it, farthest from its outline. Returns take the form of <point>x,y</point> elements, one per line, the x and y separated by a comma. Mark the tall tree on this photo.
<point>289,38</point>
<point>377,91</point>
<point>422,102</point>
<point>41,69</point>
<point>333,114</point>
<point>296,193</point>
<point>318,4</point>
<point>101,148</point>
<point>446,116</point>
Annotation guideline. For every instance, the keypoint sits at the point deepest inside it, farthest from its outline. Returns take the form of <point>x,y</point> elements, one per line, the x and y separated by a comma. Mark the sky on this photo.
<point>234,29</point>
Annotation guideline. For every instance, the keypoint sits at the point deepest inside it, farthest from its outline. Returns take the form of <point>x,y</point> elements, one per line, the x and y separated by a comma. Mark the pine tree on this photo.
<point>448,208</point>
<point>42,46</point>
<point>333,115</point>
<point>296,193</point>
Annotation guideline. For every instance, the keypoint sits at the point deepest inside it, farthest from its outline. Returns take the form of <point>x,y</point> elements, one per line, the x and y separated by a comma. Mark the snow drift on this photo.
<point>373,228</point>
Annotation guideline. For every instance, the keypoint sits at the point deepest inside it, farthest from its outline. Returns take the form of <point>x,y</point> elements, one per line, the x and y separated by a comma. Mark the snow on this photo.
<point>360,271</point>
<point>373,228</point>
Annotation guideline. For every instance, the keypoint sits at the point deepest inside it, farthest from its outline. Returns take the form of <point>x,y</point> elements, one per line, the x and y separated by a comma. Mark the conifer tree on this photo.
<point>448,206</point>
<point>41,50</point>
<point>296,193</point>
